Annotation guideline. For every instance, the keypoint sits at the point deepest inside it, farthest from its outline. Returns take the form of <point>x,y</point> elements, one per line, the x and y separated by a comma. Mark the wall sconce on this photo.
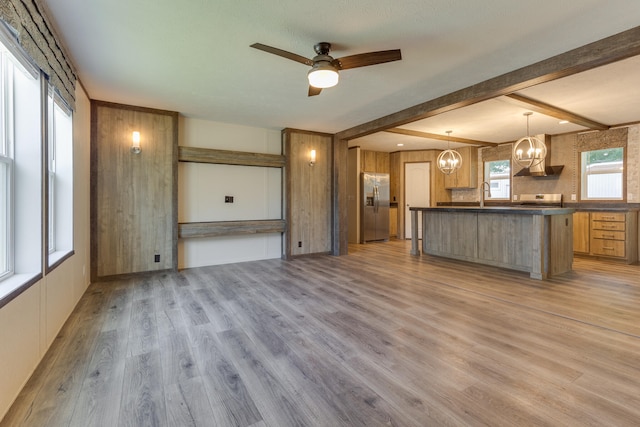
<point>312,157</point>
<point>135,138</point>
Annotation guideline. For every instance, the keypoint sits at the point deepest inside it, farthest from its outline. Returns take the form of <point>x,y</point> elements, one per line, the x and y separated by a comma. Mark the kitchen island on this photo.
<point>532,239</point>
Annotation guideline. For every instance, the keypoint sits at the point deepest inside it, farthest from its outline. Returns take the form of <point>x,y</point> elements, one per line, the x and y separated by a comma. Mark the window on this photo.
<point>498,174</point>
<point>20,167</point>
<point>6,160</point>
<point>59,178</point>
<point>602,173</point>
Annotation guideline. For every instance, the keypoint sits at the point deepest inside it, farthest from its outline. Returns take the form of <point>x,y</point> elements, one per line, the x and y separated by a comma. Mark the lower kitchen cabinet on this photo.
<point>581,226</point>
<point>393,221</point>
<point>606,234</point>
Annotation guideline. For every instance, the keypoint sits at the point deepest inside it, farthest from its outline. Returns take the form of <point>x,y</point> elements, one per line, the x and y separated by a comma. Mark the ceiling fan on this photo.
<point>324,68</point>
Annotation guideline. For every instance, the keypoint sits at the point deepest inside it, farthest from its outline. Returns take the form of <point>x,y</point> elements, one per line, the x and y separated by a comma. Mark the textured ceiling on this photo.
<point>194,56</point>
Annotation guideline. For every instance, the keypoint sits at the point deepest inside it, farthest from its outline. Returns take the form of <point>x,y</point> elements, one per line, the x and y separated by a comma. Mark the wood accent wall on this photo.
<point>308,190</point>
<point>133,196</point>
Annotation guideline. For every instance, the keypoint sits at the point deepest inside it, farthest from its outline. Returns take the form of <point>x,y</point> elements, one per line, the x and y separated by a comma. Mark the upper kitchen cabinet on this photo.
<point>467,175</point>
<point>374,161</point>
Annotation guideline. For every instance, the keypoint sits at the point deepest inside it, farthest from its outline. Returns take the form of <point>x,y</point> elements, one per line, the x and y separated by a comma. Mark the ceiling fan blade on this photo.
<point>313,91</point>
<point>365,59</point>
<point>283,53</point>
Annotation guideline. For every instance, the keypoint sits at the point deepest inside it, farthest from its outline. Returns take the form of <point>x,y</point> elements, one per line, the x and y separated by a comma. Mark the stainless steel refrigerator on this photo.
<point>374,219</point>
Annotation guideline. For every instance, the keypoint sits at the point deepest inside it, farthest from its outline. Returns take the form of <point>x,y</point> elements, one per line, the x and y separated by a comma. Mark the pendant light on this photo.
<point>449,160</point>
<point>529,151</point>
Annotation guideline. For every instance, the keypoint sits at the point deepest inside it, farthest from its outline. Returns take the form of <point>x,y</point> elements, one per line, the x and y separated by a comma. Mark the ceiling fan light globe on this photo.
<point>323,77</point>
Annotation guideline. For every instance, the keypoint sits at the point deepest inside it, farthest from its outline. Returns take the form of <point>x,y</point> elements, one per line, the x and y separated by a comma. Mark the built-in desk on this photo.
<point>536,240</point>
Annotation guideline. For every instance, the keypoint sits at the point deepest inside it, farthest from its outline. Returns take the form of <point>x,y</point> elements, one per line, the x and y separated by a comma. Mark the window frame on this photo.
<point>583,189</point>
<point>23,96</point>
<point>58,211</point>
<point>6,157</point>
<point>486,178</point>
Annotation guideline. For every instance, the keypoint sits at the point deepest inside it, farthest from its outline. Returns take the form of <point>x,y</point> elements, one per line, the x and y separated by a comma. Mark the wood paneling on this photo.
<point>539,244</point>
<point>340,197</point>
<point>134,196</point>
<point>309,193</point>
<point>394,176</point>
<point>451,233</point>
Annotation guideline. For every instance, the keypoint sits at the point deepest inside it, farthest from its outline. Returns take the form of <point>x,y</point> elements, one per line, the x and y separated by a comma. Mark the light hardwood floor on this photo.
<point>377,337</point>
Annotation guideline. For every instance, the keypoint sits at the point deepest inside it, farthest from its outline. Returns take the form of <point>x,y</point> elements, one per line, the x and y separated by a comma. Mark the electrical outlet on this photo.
<point>573,197</point>
<point>228,199</point>
<point>156,258</point>
<point>299,244</point>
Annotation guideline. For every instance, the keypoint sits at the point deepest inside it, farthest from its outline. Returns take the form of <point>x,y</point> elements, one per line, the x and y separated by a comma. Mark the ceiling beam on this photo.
<point>438,137</point>
<point>553,111</point>
<point>605,51</point>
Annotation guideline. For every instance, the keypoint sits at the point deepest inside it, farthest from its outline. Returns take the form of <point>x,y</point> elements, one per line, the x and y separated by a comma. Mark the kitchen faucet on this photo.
<point>482,192</point>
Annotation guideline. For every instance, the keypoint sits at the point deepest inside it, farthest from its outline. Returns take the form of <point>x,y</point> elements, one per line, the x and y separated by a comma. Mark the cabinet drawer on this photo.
<point>608,235</point>
<point>606,225</point>
<point>607,247</point>
<point>608,216</point>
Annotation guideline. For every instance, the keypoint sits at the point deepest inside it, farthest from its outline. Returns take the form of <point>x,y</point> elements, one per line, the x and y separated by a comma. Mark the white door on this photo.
<point>416,192</point>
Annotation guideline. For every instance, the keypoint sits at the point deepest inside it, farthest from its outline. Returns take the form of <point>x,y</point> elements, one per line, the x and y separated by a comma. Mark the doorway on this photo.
<point>416,192</point>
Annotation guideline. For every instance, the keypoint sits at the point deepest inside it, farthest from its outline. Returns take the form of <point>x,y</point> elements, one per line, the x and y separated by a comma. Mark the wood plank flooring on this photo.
<point>377,337</point>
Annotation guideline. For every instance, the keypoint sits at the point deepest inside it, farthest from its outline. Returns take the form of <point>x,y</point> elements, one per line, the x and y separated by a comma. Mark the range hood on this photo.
<point>542,169</point>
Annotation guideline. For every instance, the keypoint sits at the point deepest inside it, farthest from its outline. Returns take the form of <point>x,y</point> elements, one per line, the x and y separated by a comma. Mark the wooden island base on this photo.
<point>536,240</point>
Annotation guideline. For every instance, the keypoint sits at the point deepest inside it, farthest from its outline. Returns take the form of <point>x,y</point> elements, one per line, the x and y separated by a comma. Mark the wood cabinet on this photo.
<point>393,221</point>
<point>581,226</point>
<point>467,175</point>
<point>607,234</point>
<point>374,161</point>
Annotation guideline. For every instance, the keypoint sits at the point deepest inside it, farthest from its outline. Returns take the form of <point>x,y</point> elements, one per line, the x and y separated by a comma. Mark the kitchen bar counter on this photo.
<point>537,240</point>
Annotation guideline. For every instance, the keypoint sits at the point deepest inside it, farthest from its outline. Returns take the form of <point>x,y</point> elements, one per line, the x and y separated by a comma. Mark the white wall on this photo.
<point>29,323</point>
<point>201,189</point>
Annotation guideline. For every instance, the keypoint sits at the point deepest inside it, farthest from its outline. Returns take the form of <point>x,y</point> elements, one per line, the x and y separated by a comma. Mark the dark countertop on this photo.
<point>595,207</point>
<point>578,207</point>
<point>519,210</point>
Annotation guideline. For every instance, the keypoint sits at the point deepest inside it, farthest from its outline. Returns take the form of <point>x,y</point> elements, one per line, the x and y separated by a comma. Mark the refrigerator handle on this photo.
<point>376,198</point>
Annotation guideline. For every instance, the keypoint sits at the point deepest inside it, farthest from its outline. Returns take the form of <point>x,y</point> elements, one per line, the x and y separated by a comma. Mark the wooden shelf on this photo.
<point>226,157</point>
<point>230,228</point>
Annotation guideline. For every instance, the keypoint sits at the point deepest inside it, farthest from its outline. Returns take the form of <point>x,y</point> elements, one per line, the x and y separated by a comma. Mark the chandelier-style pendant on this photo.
<point>449,160</point>
<point>529,151</point>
